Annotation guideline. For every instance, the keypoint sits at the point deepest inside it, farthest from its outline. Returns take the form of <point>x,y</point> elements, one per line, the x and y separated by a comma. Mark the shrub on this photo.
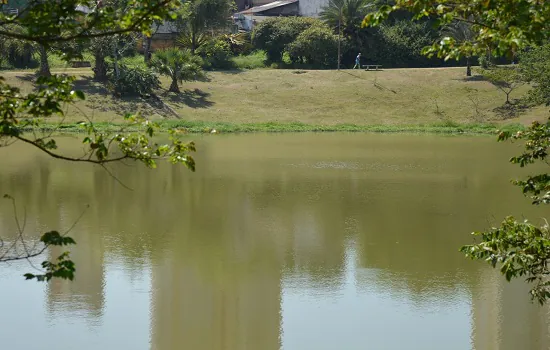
<point>316,45</point>
<point>216,54</point>
<point>274,34</point>
<point>133,81</point>
<point>239,44</point>
<point>254,60</point>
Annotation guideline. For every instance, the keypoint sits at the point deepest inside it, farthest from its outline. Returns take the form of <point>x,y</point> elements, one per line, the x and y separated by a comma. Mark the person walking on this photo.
<point>358,61</point>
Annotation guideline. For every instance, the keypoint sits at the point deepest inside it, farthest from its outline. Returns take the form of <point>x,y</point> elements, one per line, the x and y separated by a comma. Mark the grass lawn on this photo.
<point>389,98</point>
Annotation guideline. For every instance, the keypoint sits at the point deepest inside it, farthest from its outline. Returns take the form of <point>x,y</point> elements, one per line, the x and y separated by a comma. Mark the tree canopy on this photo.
<point>502,26</point>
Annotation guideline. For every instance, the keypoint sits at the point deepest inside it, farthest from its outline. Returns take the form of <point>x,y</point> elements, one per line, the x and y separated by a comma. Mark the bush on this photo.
<point>317,46</point>
<point>216,54</point>
<point>254,60</point>
<point>133,81</point>
<point>239,44</point>
<point>274,34</point>
<point>400,44</point>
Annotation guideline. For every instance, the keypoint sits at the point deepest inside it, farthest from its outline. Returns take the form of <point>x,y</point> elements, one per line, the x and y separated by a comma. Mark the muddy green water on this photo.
<point>293,241</point>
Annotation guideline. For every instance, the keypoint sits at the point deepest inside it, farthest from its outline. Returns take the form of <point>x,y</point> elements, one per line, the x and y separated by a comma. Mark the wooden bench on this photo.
<point>80,64</point>
<point>375,66</point>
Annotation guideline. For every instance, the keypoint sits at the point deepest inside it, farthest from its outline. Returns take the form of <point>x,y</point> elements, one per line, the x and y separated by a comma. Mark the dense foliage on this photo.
<point>502,26</point>
<point>535,68</point>
<point>216,54</point>
<point>400,44</point>
<point>273,35</point>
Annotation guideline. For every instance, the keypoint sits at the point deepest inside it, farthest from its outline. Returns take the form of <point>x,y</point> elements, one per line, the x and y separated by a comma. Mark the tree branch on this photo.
<point>83,33</point>
<point>70,159</point>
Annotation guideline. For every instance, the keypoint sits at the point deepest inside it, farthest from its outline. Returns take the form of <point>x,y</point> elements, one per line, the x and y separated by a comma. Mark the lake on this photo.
<point>292,241</point>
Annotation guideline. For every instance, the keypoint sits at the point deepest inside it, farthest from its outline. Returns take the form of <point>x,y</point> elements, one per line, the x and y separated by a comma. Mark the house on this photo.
<point>164,35</point>
<point>246,20</point>
<point>262,9</point>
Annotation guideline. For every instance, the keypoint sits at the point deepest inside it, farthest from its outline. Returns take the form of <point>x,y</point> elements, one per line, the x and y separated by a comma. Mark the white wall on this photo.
<point>311,8</point>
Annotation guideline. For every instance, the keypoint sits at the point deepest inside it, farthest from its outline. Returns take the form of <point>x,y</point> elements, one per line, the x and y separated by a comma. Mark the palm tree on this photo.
<point>346,16</point>
<point>180,65</point>
<point>461,32</point>
<point>199,19</point>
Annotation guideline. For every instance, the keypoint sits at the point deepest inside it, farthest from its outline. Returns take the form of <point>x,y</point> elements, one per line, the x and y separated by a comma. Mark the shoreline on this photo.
<point>202,127</point>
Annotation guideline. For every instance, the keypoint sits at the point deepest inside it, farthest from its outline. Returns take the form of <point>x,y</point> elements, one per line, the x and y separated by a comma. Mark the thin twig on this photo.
<point>115,178</point>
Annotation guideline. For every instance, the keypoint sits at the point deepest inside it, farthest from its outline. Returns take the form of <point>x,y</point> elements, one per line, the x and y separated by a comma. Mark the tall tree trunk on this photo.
<point>44,64</point>
<point>115,57</point>
<point>468,67</point>
<point>174,86</point>
<point>147,49</point>
<point>193,41</point>
<point>100,68</point>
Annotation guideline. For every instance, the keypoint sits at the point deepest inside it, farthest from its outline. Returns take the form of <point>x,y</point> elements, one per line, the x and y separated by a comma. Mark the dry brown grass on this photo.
<point>389,97</point>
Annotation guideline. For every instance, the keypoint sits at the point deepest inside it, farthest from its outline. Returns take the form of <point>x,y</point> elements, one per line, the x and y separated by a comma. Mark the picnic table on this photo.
<point>370,66</point>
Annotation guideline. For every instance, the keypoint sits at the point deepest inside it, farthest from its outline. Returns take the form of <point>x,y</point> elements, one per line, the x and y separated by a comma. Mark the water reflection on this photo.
<point>293,241</point>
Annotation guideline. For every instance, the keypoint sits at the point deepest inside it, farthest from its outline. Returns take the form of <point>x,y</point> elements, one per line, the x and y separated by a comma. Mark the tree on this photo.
<point>505,27</point>
<point>535,69</point>
<point>346,16</point>
<point>461,32</point>
<point>179,65</point>
<point>148,43</point>
<point>316,45</point>
<point>506,79</point>
<point>51,22</point>
<point>274,34</point>
<point>100,48</point>
<point>198,18</point>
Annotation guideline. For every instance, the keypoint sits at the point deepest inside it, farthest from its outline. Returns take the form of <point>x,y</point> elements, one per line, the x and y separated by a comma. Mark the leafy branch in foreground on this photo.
<point>21,249</point>
<point>49,22</point>
<point>20,113</point>
<point>521,248</point>
<point>502,26</point>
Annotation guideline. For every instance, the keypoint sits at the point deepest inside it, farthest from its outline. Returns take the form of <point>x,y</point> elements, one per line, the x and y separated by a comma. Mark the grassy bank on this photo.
<point>415,100</point>
<point>223,127</point>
